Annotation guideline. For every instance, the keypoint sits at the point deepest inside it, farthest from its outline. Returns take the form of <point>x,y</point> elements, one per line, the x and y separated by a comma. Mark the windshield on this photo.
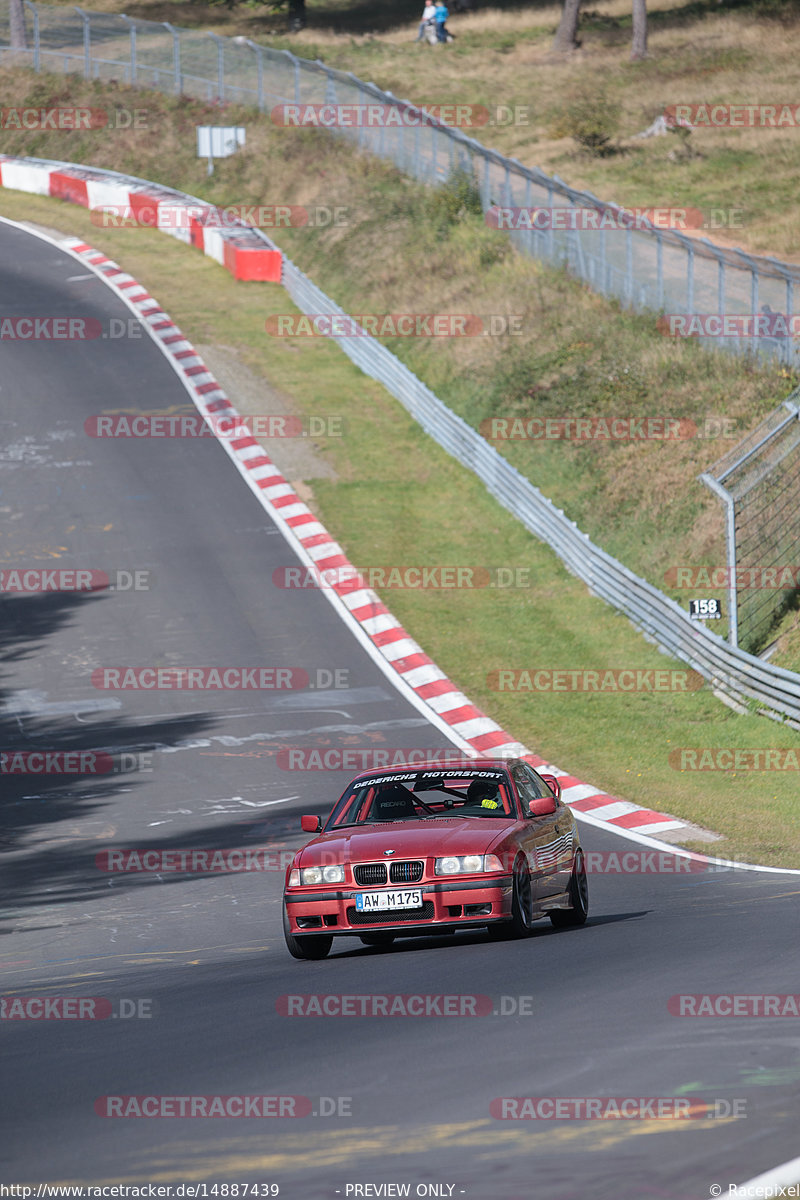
<point>426,795</point>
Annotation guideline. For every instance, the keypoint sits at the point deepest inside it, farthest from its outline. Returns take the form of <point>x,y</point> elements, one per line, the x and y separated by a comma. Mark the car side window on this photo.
<point>525,787</point>
<point>539,784</point>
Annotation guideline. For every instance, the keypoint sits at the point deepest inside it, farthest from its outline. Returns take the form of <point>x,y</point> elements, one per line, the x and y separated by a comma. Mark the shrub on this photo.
<point>455,200</point>
<point>592,121</point>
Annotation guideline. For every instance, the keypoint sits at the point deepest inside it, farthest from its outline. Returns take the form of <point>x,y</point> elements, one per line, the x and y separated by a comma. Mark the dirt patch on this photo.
<point>253,396</point>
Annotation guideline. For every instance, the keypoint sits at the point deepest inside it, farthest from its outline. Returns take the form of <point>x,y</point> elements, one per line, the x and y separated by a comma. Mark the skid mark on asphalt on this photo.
<point>238,804</point>
<point>351,729</point>
<point>133,958</point>
<point>223,805</point>
<point>751,1077</point>
<point>358,1149</point>
<point>36,553</point>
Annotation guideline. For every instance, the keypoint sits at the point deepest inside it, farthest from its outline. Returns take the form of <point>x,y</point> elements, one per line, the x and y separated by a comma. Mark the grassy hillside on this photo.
<point>744,180</point>
<point>399,248</point>
<point>402,249</point>
<point>391,496</point>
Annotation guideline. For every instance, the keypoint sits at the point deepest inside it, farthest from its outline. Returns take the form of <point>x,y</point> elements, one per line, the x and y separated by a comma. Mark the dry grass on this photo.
<point>397,498</point>
<point>576,355</point>
<point>699,52</point>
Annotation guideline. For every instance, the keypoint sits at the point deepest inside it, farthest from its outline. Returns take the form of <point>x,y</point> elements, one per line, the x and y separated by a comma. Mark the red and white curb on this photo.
<point>400,657</point>
<point>432,691</point>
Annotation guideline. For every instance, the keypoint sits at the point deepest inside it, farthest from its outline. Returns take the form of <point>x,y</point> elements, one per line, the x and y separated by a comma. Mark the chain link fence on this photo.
<point>759,483</point>
<point>644,267</point>
<point>739,678</point>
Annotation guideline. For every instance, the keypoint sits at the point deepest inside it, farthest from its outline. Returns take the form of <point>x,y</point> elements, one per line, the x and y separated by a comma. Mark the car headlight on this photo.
<point>313,875</point>
<point>466,864</point>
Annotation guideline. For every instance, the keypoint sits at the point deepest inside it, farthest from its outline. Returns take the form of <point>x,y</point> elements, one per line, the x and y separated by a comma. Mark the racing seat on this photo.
<point>482,789</point>
<point>391,803</point>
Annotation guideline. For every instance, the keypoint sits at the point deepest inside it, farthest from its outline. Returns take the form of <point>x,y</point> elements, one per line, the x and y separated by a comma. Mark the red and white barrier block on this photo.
<point>241,249</point>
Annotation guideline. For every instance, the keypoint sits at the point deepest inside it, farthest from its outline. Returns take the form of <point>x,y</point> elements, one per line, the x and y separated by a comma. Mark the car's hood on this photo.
<point>408,839</point>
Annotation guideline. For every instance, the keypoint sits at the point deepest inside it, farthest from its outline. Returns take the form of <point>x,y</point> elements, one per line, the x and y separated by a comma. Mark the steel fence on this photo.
<point>644,267</point>
<point>739,678</point>
<point>759,483</point>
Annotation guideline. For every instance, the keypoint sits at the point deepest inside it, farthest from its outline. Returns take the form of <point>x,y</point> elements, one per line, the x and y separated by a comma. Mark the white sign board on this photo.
<point>219,141</point>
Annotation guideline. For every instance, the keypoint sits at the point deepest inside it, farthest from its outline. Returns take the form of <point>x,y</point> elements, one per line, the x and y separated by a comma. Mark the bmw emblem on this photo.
<point>388,852</point>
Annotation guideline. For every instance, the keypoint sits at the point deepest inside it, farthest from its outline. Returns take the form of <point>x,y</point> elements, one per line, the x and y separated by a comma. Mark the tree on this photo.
<point>297,15</point>
<point>567,32</point>
<point>16,17</point>
<point>639,39</point>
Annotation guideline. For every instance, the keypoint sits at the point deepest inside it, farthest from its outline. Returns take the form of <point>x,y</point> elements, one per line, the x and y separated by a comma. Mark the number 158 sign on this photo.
<point>704,610</point>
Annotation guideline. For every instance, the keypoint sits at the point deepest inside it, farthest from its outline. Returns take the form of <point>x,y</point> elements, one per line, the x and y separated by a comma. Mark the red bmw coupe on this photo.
<point>424,849</point>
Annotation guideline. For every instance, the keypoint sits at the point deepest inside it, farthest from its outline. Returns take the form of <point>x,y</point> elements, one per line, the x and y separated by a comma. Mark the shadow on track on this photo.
<point>37,871</point>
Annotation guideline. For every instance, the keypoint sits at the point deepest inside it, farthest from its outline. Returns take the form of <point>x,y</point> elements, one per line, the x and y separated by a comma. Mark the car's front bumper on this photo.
<point>447,903</point>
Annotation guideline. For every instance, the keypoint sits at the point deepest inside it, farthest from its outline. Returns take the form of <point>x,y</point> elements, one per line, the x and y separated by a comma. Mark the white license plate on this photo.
<point>382,901</point>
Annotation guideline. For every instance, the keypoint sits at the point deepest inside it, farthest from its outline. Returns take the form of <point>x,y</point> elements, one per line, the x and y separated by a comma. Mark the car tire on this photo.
<point>377,939</point>
<point>313,946</point>
<point>521,902</point>
<point>519,924</point>
<point>578,892</point>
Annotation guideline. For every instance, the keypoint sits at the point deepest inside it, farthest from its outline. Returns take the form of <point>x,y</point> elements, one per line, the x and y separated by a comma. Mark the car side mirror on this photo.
<point>553,784</point>
<point>542,806</point>
<point>310,824</point>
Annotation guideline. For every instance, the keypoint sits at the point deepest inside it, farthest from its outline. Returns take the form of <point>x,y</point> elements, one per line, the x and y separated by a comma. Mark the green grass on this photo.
<point>399,499</point>
<point>406,249</point>
<point>698,51</point>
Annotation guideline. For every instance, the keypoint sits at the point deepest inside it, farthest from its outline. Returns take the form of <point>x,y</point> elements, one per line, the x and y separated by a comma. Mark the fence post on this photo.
<point>132,28</point>
<point>220,65</point>
<point>487,189</point>
<point>296,66</point>
<point>754,307</point>
<point>629,266</point>
<point>603,258</point>
<point>259,72</point>
<point>551,233</point>
<point>87,43</point>
<point>176,56</point>
<point>358,84</point>
<point>402,150</point>
<point>35,12</point>
<point>400,108</point>
<point>730,542</point>
<point>790,315</point>
<point>529,241</point>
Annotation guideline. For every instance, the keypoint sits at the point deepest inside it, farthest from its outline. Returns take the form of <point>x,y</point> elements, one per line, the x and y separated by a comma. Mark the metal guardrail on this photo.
<point>740,679</point>
<point>644,267</point>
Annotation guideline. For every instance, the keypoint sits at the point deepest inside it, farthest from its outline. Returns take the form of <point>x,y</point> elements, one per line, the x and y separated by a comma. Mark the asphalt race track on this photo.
<point>200,959</point>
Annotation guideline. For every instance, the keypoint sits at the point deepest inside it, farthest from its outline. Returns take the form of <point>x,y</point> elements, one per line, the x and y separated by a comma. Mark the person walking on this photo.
<point>427,15</point>
<point>440,16</point>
